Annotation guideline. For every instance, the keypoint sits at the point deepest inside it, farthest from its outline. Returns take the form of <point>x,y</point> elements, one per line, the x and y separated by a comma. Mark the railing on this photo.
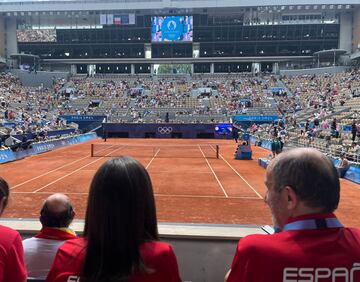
<point>331,152</point>
<point>294,143</point>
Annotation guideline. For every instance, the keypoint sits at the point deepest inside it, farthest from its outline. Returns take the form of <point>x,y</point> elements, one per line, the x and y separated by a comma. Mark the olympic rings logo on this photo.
<point>165,130</point>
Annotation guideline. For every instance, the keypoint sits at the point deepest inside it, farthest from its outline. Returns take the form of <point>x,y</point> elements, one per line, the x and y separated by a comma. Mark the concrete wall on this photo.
<point>11,39</point>
<point>356,30</point>
<point>56,67</point>
<point>2,37</point>
<point>313,71</point>
<point>39,78</point>
<point>345,40</point>
<point>204,252</point>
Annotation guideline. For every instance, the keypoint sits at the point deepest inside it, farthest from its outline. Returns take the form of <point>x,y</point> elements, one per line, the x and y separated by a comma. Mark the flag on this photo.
<point>102,19</point>
<point>117,20</point>
<point>110,19</point>
<point>131,18</point>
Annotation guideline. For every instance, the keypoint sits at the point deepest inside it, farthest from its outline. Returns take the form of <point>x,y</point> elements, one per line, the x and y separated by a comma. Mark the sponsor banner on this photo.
<point>38,148</point>
<point>74,118</point>
<point>255,118</point>
<point>51,145</point>
<point>164,130</point>
<point>44,147</point>
<point>353,174</point>
<point>7,156</point>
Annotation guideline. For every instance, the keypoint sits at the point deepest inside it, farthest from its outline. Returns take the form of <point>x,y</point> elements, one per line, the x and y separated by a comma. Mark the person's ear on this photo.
<point>3,203</point>
<point>73,214</point>
<point>291,198</point>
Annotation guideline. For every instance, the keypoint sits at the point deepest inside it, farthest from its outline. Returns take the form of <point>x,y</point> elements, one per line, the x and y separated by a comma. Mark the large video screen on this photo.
<point>172,29</point>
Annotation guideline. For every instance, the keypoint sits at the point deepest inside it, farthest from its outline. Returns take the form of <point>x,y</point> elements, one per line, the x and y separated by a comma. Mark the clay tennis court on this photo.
<point>191,185</point>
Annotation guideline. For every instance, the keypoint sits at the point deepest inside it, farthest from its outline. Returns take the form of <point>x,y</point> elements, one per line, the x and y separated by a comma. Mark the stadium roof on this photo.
<point>186,5</point>
<point>330,53</point>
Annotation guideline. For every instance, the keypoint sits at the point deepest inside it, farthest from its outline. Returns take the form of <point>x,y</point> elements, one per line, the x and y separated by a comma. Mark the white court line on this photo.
<point>217,179</point>
<point>46,173</point>
<point>252,188</point>
<point>147,166</point>
<point>80,168</point>
<point>156,195</point>
<point>51,171</point>
<point>205,196</point>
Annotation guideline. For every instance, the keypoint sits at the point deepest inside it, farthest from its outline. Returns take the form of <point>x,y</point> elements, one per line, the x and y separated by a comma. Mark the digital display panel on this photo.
<point>172,29</point>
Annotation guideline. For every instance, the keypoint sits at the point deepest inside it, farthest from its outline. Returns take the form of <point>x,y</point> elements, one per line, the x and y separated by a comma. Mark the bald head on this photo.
<point>57,211</point>
<point>57,203</point>
<point>310,174</point>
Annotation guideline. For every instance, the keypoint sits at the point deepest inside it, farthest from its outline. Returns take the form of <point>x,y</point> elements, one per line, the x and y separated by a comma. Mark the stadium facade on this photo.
<point>211,36</point>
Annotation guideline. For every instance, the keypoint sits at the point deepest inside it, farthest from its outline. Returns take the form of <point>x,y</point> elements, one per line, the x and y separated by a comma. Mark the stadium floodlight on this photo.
<point>323,7</point>
<point>339,6</point>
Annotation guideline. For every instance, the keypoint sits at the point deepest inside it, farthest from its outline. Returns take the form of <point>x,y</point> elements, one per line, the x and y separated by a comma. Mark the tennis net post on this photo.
<point>217,151</point>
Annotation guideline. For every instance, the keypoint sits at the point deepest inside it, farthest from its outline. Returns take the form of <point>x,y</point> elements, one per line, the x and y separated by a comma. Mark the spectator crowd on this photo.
<point>36,35</point>
<point>29,110</point>
<point>314,110</point>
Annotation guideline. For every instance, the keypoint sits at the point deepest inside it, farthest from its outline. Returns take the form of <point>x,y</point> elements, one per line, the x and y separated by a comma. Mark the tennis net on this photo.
<point>210,151</point>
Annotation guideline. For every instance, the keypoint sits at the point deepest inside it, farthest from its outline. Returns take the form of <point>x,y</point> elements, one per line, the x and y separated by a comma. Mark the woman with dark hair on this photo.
<point>12,264</point>
<point>120,235</point>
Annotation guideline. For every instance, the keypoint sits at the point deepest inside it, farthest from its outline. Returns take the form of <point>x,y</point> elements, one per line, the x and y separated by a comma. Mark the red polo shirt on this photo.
<point>322,254</point>
<point>12,265</point>
<point>158,256</point>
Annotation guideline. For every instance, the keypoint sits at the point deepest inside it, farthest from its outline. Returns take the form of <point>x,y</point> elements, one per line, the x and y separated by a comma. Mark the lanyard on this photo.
<point>307,224</point>
<point>53,233</point>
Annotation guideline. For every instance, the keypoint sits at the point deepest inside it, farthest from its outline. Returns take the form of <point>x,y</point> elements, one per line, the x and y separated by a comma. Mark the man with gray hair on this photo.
<point>55,216</point>
<point>303,191</point>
